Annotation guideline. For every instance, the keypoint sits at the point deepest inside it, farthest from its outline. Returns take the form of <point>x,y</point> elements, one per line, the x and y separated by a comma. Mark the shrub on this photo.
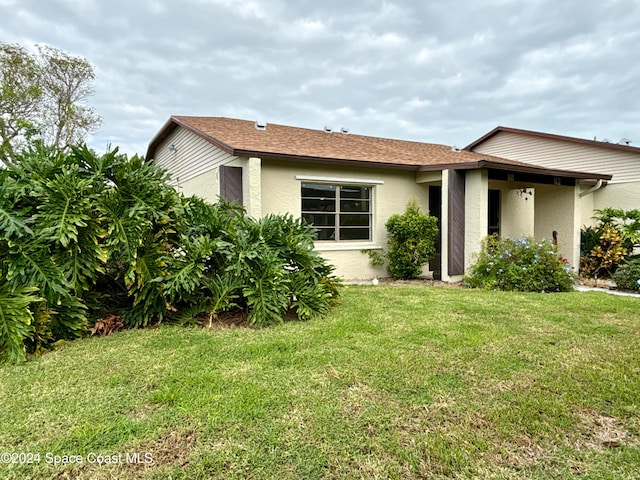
<point>412,238</point>
<point>607,244</point>
<point>520,265</point>
<point>84,236</point>
<point>627,223</point>
<point>627,277</point>
<point>603,259</point>
<point>266,267</point>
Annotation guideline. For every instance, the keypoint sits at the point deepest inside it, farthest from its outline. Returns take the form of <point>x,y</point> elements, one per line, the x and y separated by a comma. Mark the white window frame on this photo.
<point>339,183</point>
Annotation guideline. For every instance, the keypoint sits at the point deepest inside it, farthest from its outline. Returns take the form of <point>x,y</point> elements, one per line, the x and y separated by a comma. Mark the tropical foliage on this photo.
<point>523,265</point>
<point>84,237</point>
<point>609,242</point>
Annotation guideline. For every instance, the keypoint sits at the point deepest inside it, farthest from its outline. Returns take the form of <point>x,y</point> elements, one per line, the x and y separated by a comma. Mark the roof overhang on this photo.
<point>519,168</point>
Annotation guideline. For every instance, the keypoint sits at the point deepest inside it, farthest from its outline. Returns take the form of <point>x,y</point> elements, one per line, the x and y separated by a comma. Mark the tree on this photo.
<point>42,98</point>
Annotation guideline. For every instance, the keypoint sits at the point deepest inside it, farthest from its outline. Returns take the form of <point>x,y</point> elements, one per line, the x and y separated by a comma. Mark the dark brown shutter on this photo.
<point>456,222</point>
<point>231,183</point>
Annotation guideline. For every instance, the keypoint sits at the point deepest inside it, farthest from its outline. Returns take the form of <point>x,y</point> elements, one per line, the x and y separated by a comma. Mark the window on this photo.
<point>338,212</point>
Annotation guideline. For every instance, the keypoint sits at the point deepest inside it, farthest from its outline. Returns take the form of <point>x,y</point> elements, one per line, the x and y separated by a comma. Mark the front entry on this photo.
<point>494,213</point>
<point>435,210</point>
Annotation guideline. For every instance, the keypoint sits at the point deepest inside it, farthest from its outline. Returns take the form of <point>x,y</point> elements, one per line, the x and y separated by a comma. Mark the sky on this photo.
<point>439,71</point>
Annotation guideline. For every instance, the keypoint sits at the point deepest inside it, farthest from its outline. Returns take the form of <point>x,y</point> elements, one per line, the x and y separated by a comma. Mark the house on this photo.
<point>348,186</point>
<point>620,160</point>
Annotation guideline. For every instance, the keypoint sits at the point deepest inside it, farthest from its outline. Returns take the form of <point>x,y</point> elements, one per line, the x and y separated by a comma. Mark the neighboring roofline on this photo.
<point>488,164</point>
<point>552,136</point>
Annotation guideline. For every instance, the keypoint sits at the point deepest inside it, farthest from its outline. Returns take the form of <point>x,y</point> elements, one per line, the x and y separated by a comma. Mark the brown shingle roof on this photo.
<point>242,138</point>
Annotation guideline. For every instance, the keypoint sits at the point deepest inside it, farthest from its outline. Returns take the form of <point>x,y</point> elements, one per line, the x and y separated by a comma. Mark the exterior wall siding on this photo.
<point>551,153</point>
<point>191,158</point>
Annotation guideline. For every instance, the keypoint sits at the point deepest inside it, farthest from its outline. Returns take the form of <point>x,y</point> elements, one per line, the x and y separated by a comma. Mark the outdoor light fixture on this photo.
<point>524,192</point>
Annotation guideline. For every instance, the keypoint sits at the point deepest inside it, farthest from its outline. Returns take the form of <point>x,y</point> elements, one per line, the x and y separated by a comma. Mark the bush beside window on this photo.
<point>412,239</point>
<point>524,265</point>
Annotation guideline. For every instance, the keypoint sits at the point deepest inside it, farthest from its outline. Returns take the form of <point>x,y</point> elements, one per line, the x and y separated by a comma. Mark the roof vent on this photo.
<point>260,125</point>
<point>455,149</point>
<point>344,130</point>
<point>606,140</point>
<point>328,129</point>
<point>624,141</point>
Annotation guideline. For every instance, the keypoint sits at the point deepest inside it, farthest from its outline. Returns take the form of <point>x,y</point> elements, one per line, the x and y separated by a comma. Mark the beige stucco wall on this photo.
<point>206,186</point>
<point>517,211</point>
<point>281,194</point>
<point>625,196</point>
<point>475,213</point>
<point>251,184</point>
<point>587,205</point>
<point>558,208</point>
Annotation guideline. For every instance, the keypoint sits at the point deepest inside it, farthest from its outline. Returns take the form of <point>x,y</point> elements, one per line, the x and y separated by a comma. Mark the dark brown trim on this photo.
<point>164,132</point>
<point>174,123</point>
<point>456,213</point>
<point>533,169</point>
<point>323,160</point>
<point>214,141</point>
<point>552,136</point>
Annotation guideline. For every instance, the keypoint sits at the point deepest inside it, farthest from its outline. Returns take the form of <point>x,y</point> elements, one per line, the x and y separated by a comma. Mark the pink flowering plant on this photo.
<point>524,265</point>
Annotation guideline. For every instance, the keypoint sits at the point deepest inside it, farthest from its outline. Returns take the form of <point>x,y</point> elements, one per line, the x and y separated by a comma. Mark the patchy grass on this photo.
<point>398,382</point>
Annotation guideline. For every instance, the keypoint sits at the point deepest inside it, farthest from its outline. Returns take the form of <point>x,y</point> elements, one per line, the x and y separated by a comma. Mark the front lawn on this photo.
<point>397,382</point>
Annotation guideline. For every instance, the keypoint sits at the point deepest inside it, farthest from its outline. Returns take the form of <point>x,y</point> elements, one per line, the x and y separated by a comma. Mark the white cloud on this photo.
<point>438,71</point>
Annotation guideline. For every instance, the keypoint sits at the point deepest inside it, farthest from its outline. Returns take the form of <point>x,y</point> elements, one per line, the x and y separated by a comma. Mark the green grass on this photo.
<point>397,382</point>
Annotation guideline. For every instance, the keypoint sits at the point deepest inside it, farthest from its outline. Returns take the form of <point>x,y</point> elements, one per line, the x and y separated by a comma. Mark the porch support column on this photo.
<point>253,190</point>
<point>476,208</point>
<point>557,208</point>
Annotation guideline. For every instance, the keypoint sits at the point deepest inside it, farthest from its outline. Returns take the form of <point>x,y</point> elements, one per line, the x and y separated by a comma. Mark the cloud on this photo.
<point>437,71</point>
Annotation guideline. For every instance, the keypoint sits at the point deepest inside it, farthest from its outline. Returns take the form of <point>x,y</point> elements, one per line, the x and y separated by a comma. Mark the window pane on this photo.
<point>320,220</point>
<point>354,220</point>
<point>318,190</point>
<point>325,233</point>
<point>354,234</point>
<point>351,191</point>
<point>320,208</point>
<point>318,205</point>
<point>354,205</point>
